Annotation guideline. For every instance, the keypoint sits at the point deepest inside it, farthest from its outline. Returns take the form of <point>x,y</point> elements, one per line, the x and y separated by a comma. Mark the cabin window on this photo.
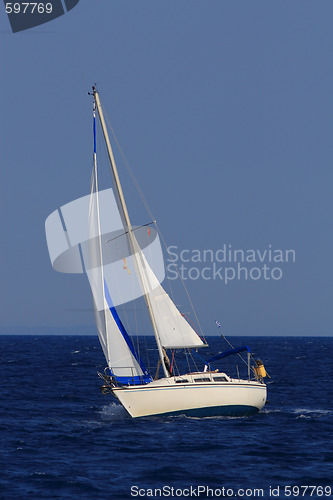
<point>220,379</point>
<point>203,379</point>
<point>182,381</point>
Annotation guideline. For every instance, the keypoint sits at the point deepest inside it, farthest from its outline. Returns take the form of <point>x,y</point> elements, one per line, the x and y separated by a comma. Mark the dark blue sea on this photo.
<point>61,438</point>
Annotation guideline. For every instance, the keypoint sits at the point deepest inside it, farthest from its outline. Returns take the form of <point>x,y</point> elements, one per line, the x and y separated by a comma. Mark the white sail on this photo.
<point>87,235</point>
<point>116,344</point>
<point>118,348</point>
<point>173,329</point>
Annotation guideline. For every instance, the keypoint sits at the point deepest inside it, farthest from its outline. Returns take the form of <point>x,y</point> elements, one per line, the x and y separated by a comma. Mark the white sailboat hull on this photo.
<point>169,397</point>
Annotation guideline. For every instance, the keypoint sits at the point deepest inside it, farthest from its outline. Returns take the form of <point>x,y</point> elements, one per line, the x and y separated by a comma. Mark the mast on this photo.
<point>127,222</point>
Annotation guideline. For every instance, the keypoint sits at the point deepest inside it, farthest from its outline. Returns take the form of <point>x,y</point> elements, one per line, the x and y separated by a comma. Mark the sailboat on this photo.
<point>200,393</point>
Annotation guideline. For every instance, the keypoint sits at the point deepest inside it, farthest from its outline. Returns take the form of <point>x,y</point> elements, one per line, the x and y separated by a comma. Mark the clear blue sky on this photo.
<point>224,110</point>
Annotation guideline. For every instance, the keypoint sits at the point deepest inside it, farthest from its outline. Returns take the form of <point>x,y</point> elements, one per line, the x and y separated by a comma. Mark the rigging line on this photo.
<point>136,329</point>
<point>173,356</point>
<point>133,229</point>
<point>182,281</point>
<point>193,326</point>
<point>225,338</point>
<point>188,360</point>
<point>136,184</point>
<point>238,354</point>
<point>175,368</point>
<point>147,357</point>
<point>138,345</point>
<point>196,366</point>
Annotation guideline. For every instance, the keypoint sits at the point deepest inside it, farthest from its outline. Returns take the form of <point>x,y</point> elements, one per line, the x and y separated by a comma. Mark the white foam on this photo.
<point>113,411</point>
<point>311,412</point>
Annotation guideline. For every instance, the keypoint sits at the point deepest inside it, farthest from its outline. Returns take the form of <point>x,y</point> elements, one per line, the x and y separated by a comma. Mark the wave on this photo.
<point>299,412</point>
<point>311,412</point>
<point>113,411</point>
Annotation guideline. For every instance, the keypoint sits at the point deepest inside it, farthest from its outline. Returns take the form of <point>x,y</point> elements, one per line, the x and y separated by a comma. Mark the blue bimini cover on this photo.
<point>225,354</point>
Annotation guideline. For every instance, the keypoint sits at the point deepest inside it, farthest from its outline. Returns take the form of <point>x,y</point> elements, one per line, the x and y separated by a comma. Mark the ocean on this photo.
<point>62,438</point>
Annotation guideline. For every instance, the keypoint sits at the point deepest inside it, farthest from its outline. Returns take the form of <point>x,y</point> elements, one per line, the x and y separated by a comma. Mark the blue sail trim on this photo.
<point>94,130</point>
<point>137,379</point>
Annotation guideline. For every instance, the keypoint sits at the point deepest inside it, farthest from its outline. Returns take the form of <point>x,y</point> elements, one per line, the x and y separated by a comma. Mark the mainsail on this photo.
<point>117,346</point>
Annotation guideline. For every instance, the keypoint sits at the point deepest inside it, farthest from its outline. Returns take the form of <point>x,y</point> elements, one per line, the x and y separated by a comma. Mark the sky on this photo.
<point>224,112</point>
